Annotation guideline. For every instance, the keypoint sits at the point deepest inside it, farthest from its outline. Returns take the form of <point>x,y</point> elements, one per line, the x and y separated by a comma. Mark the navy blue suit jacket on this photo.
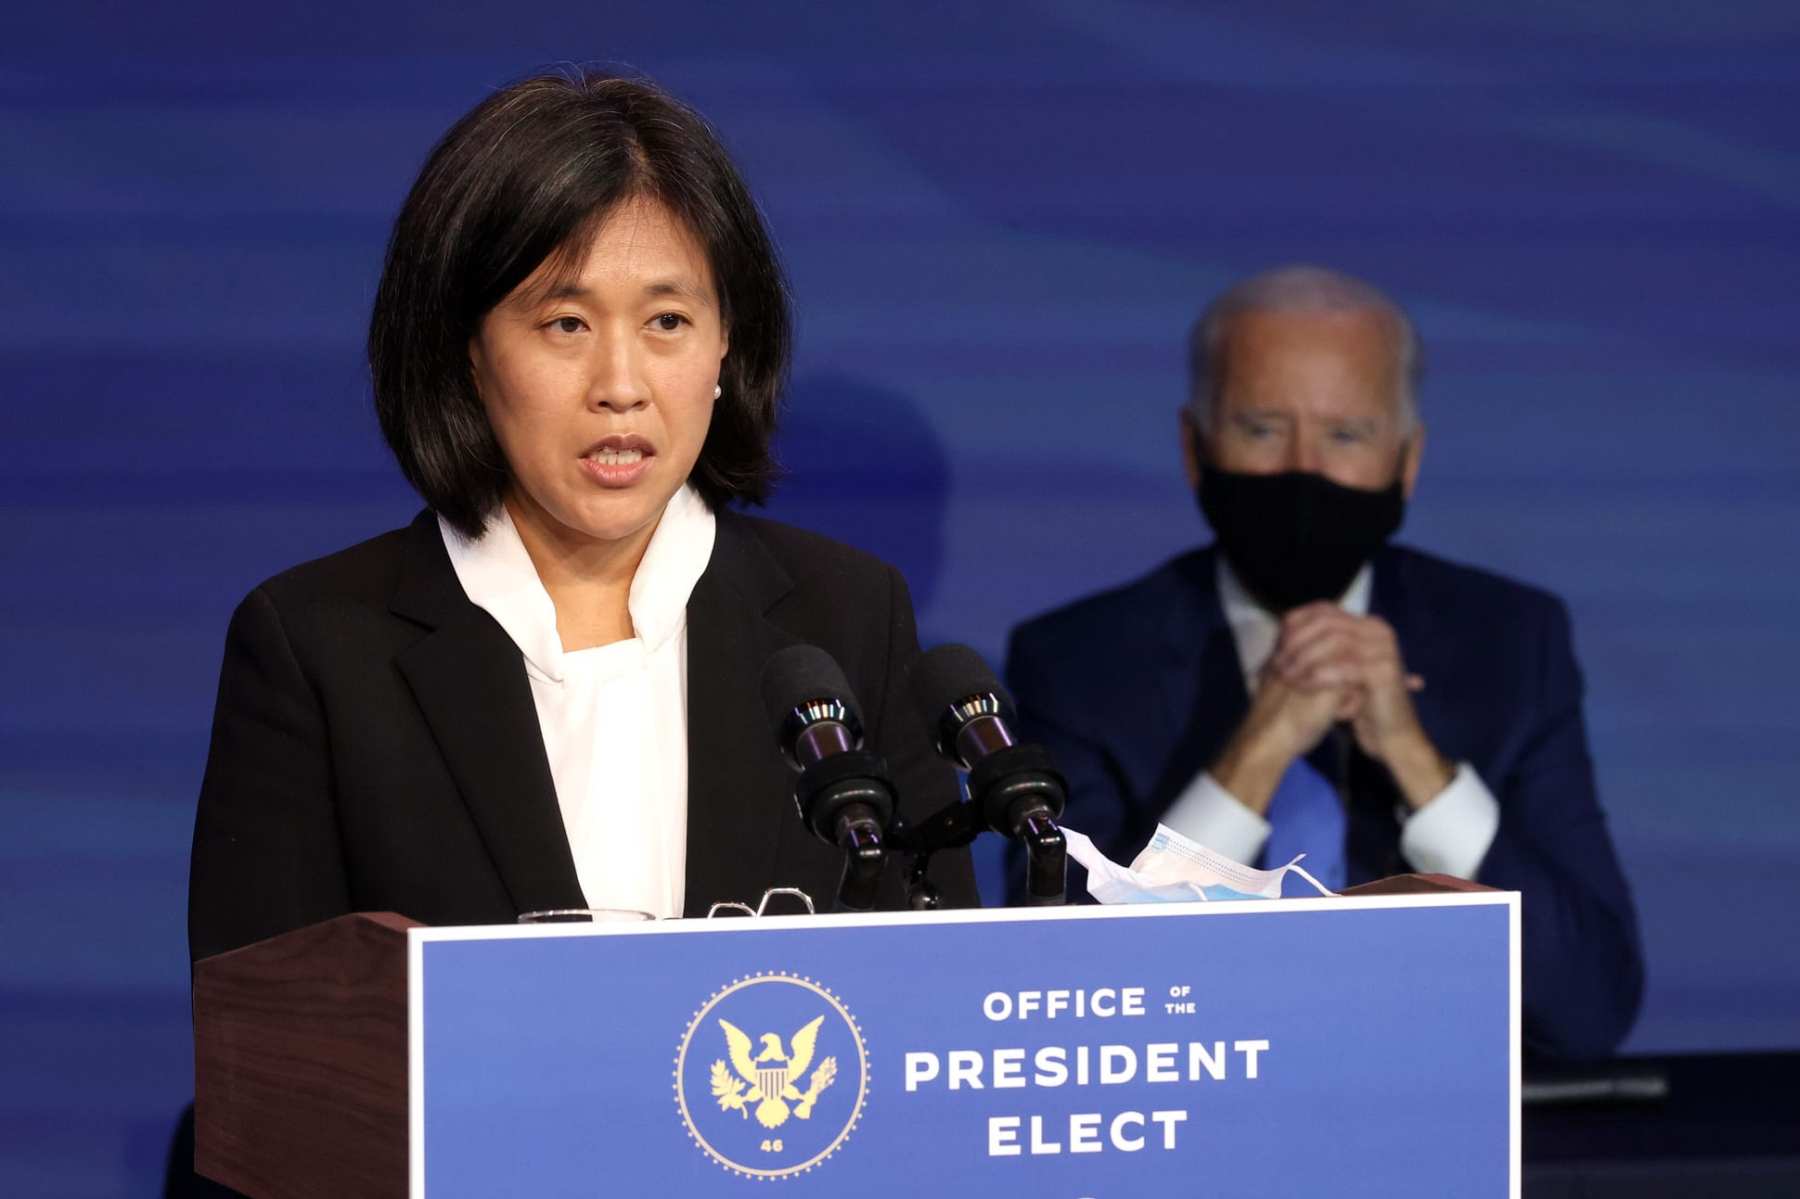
<point>1136,691</point>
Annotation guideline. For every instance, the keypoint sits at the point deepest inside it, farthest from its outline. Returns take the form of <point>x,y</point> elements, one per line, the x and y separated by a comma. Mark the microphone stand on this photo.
<point>848,790</point>
<point>864,858</point>
<point>952,828</point>
<point>1047,861</point>
<point>958,825</point>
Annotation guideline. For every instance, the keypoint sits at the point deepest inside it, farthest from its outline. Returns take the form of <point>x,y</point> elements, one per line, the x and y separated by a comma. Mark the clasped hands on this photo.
<point>1330,666</point>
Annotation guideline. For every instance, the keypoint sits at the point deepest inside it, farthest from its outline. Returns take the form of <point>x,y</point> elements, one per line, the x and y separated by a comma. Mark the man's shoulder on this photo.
<point>1467,593</point>
<point>1125,621</point>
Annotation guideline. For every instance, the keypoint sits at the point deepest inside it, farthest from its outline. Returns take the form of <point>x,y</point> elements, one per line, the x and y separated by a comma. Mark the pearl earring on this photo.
<point>717,391</point>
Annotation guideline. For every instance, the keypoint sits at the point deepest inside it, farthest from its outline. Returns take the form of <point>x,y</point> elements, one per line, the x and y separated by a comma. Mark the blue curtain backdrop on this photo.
<point>1000,220</point>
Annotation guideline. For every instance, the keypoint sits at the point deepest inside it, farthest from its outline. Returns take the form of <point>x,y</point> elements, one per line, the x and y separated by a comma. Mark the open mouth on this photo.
<point>619,460</point>
<point>620,448</point>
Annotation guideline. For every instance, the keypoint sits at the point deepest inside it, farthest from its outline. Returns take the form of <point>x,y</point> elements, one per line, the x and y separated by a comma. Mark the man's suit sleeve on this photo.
<point>925,782</point>
<point>266,853</point>
<point>1582,966</point>
<point>1099,798</point>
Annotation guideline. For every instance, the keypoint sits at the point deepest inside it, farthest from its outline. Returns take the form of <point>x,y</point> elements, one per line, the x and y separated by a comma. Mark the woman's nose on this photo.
<point>617,379</point>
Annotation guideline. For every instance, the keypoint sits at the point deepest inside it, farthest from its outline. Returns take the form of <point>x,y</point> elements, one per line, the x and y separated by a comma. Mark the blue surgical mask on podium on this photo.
<point>1173,869</point>
<point>1171,857</point>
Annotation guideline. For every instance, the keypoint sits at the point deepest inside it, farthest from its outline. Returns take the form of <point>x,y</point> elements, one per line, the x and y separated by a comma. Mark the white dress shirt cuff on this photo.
<point>1213,816</point>
<point>1452,834</point>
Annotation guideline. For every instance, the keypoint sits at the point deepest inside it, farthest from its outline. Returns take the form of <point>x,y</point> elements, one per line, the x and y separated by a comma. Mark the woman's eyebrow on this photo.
<point>572,290</point>
<point>678,287</point>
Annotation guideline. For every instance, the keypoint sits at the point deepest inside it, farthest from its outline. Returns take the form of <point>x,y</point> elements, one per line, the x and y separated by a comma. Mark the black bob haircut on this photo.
<point>528,175</point>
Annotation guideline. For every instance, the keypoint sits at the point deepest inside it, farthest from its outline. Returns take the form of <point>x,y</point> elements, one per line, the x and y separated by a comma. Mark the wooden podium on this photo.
<point>300,1061</point>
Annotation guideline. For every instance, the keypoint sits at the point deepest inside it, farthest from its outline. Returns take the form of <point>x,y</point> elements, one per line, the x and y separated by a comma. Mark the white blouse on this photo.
<point>614,717</point>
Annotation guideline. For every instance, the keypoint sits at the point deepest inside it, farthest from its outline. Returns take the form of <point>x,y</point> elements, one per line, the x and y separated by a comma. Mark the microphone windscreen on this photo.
<point>799,674</point>
<point>950,673</point>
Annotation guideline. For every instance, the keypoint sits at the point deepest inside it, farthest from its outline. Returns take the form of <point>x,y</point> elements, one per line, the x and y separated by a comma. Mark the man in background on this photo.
<point>1302,686</point>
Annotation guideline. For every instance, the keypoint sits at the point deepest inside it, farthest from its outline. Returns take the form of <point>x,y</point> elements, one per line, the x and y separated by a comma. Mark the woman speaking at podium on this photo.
<point>543,692</point>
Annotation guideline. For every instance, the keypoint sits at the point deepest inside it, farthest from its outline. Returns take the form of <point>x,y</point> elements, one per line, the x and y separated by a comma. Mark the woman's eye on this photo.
<point>567,324</point>
<point>669,322</point>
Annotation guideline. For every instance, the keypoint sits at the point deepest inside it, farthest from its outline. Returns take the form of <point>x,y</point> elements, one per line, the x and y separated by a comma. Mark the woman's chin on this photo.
<point>621,518</point>
<point>590,516</point>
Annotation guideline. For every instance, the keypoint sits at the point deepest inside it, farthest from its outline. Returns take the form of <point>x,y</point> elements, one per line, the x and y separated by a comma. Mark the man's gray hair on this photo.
<point>1294,289</point>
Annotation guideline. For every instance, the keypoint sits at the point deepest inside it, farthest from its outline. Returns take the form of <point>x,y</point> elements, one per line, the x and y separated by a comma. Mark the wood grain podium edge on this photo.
<point>1415,884</point>
<point>300,1062</point>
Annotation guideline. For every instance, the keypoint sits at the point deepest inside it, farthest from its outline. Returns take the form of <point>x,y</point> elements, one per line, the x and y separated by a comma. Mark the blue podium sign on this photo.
<point>1299,1047</point>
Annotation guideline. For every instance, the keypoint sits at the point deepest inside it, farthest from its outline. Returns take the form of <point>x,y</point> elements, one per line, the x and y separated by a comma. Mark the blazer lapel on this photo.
<point>469,681</point>
<point>738,784</point>
<point>1372,840</point>
<point>1200,677</point>
<point>1388,599</point>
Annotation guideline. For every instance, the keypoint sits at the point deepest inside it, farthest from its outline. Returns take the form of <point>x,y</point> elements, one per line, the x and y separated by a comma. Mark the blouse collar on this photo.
<point>497,575</point>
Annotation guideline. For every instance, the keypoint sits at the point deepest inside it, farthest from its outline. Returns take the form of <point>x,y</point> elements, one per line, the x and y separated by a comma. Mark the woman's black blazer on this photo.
<point>375,745</point>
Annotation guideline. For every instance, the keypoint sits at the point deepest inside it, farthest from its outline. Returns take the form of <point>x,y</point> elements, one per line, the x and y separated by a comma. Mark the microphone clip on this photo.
<point>1021,794</point>
<point>1010,783</point>
<point>845,800</point>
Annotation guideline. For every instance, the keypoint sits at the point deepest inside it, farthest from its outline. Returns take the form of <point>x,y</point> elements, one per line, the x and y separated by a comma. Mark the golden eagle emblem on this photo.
<point>768,1079</point>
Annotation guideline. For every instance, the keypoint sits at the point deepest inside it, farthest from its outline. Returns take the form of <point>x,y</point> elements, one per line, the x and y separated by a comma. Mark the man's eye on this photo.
<point>669,322</point>
<point>567,324</point>
<point>1347,436</point>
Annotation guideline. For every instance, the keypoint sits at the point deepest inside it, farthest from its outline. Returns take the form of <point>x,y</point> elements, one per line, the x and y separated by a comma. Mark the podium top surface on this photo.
<point>1367,901</point>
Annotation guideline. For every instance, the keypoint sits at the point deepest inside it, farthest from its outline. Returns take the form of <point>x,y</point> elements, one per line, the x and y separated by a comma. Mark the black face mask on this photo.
<point>1295,538</point>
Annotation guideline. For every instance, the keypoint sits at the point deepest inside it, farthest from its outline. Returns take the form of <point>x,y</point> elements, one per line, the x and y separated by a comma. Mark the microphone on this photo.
<point>1016,785</point>
<point>843,793</point>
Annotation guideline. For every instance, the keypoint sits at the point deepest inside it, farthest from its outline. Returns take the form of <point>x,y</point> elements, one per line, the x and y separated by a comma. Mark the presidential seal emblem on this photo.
<point>771,1076</point>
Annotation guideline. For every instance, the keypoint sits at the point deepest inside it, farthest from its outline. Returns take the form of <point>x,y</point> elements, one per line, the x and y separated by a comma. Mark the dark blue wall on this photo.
<point>1000,220</point>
